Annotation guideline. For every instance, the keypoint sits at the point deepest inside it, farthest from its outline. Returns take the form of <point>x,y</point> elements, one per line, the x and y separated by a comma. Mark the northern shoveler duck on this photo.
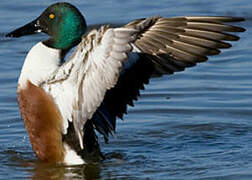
<point>63,103</point>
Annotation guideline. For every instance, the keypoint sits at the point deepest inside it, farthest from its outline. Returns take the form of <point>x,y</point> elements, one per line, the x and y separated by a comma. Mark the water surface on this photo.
<point>195,124</point>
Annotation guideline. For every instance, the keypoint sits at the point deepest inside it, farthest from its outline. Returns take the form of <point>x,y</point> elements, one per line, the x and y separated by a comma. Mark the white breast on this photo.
<point>40,63</point>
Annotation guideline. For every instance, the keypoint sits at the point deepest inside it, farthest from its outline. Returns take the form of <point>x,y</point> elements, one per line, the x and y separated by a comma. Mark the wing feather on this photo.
<point>184,39</point>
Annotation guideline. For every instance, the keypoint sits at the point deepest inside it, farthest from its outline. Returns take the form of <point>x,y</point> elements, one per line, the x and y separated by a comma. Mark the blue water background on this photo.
<point>196,124</point>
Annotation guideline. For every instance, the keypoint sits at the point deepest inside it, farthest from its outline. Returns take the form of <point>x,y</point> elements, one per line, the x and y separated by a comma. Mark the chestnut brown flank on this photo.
<point>43,122</point>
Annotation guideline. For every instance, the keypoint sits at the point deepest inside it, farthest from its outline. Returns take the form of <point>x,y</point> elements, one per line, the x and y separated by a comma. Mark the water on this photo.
<point>195,124</point>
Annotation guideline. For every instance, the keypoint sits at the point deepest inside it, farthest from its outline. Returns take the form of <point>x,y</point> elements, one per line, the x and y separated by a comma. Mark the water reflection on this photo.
<point>42,171</point>
<point>37,170</point>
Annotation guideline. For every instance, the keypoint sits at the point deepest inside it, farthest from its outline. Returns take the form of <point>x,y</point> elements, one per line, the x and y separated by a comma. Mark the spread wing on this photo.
<point>165,46</point>
<point>97,83</point>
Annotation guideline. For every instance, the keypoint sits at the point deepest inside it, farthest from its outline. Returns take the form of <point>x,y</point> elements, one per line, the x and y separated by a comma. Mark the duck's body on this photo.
<point>35,103</point>
<point>62,104</point>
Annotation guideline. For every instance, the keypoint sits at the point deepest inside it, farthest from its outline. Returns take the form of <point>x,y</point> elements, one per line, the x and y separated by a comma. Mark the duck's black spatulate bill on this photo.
<point>27,29</point>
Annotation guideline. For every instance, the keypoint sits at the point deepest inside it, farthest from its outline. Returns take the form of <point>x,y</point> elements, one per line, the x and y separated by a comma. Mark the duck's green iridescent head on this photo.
<point>61,21</point>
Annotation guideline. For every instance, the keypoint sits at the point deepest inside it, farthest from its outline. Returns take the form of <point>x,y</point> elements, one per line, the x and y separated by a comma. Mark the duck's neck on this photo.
<point>40,63</point>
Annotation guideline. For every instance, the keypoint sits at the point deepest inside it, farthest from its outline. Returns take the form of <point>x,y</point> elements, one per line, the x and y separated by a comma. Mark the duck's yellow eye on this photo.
<point>51,16</point>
